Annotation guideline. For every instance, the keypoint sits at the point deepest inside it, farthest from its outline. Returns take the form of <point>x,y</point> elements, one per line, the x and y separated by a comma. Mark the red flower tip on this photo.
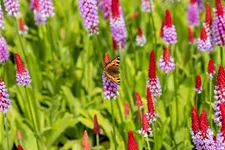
<point>145,124</point>
<point>131,144</point>
<point>115,9</point>
<point>152,68</point>
<point>20,147</point>
<point>139,31</point>
<point>198,84</point>
<point>138,99</point>
<point>85,142</point>
<point>166,54</point>
<point>115,45</point>
<point>190,35</point>
<point>36,5</point>
<point>19,135</point>
<point>222,109</point>
<point>168,20</point>
<point>133,16</point>
<point>106,58</point>
<point>96,125</point>
<point>204,125</point>
<point>195,120</point>
<point>208,15</point>
<point>150,102</point>
<point>203,35</point>
<point>192,1</point>
<point>211,66</point>
<point>161,30</point>
<point>19,63</point>
<point>221,77</point>
<point>126,109</point>
<point>21,25</point>
<point>219,8</point>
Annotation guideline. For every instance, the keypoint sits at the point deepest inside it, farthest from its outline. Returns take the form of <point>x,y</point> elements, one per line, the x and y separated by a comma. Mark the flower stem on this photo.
<point>113,120</point>
<point>32,117</point>
<point>148,143</point>
<point>97,138</point>
<point>7,132</point>
<point>196,101</point>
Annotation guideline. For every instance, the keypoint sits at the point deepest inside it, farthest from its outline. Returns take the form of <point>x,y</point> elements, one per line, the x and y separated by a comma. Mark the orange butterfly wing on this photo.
<point>112,70</point>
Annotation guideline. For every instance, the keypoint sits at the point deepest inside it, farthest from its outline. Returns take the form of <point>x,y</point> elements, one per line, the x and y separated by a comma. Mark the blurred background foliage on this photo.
<point>66,68</point>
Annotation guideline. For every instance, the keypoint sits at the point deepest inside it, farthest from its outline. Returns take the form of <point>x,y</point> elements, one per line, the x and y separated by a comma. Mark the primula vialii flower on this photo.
<point>131,143</point>
<point>191,37</point>
<point>204,41</point>
<point>22,75</point>
<point>218,26</point>
<point>147,5</point>
<point>105,6</point>
<point>193,13</point>
<point>110,87</point>
<point>145,130</point>
<point>4,53</point>
<point>4,98</point>
<point>85,142</point>
<point>211,70</point>
<point>195,129</point>
<point>39,12</point>
<point>166,62</point>
<point>169,30</point>
<point>126,109</point>
<point>117,24</point>
<point>202,135</point>
<point>12,7</point>
<point>206,134</point>
<point>208,20</point>
<point>23,29</point>
<point>48,8</point>
<point>153,81</point>
<point>151,115</point>
<point>96,125</point>
<point>198,84</point>
<point>219,94</point>
<point>89,12</point>
<point>140,38</point>
<point>220,138</point>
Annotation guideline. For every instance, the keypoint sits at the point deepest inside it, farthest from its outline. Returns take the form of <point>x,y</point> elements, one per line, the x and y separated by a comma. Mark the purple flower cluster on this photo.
<point>48,8</point>
<point>155,87</point>
<point>117,24</point>
<point>23,78</point>
<point>12,7</point>
<point>4,98</point>
<point>193,14</point>
<point>89,12</point>
<point>105,6</point>
<point>110,88</point>
<point>4,53</point>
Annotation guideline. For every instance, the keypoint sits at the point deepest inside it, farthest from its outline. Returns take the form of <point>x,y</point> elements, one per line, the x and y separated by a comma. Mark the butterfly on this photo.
<point>112,70</point>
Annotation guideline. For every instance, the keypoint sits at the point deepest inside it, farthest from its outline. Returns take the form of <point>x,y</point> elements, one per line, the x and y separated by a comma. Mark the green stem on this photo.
<point>32,117</point>
<point>147,141</point>
<point>97,138</point>
<point>113,120</point>
<point>7,131</point>
<point>196,101</point>
<point>210,101</point>
<point>154,30</point>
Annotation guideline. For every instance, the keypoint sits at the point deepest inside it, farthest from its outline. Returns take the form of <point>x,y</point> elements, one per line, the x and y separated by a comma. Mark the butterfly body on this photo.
<point>112,70</point>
